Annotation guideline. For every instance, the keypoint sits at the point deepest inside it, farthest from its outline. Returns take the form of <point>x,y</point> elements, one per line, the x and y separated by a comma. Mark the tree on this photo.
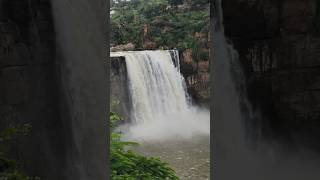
<point>167,27</point>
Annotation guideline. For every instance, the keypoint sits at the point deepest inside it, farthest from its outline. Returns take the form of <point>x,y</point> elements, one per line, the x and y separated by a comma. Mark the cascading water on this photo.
<point>156,87</point>
<point>228,125</point>
<point>80,64</point>
<point>160,103</point>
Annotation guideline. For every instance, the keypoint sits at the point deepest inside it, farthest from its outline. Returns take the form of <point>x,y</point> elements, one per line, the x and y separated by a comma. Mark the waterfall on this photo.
<point>80,65</point>
<point>160,104</point>
<point>226,97</point>
<point>231,147</point>
<point>156,86</point>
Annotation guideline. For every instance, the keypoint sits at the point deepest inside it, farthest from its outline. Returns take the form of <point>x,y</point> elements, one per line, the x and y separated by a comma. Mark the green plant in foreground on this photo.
<point>8,167</point>
<point>128,165</point>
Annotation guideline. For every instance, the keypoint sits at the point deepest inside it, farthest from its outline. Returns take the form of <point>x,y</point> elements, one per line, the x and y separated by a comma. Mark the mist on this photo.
<point>183,126</point>
<point>81,54</point>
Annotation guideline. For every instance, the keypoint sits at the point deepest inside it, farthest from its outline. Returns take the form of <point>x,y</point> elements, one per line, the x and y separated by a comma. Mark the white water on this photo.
<point>232,152</point>
<point>80,67</point>
<point>161,108</point>
<point>228,126</point>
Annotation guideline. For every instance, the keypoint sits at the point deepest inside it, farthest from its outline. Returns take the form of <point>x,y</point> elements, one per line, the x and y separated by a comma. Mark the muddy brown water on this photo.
<point>190,158</point>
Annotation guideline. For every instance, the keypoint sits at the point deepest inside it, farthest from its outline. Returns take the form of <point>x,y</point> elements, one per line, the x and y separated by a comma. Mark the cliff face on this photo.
<point>196,71</point>
<point>42,85</point>
<point>279,47</point>
<point>119,89</point>
<point>28,91</point>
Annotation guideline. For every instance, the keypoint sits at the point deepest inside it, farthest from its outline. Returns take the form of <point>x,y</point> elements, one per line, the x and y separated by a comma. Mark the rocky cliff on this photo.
<point>279,48</point>
<point>28,91</point>
<point>119,88</point>
<point>44,82</point>
<point>196,71</point>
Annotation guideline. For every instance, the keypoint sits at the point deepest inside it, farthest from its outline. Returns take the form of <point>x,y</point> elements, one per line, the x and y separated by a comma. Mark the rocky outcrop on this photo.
<point>146,42</point>
<point>123,47</point>
<point>279,48</point>
<point>119,88</point>
<point>196,74</point>
<point>196,70</point>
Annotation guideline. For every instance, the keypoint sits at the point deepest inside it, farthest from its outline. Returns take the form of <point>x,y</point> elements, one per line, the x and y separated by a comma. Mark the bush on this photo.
<point>8,168</point>
<point>128,165</point>
<point>168,27</point>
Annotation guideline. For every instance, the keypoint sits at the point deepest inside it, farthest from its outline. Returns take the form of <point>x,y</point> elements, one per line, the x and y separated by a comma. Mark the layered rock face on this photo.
<point>26,50</point>
<point>119,89</point>
<point>279,48</point>
<point>195,68</point>
<point>52,76</point>
<point>28,91</point>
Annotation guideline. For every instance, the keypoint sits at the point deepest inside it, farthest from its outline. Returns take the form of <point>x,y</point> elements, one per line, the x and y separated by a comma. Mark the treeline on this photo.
<point>160,24</point>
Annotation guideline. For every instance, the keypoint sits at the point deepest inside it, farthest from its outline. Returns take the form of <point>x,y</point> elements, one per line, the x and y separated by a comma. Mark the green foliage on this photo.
<point>8,167</point>
<point>169,26</point>
<point>9,170</point>
<point>181,28</point>
<point>127,23</point>
<point>114,119</point>
<point>128,165</point>
<point>14,130</point>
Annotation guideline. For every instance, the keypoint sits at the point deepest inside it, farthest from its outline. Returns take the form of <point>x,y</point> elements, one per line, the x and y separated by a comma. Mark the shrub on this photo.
<point>9,169</point>
<point>168,27</point>
<point>128,165</point>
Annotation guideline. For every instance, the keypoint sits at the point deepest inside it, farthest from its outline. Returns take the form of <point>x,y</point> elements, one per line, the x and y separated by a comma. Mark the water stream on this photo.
<point>80,66</point>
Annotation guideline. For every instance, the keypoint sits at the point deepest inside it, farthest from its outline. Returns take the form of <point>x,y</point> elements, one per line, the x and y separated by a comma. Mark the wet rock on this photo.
<point>278,46</point>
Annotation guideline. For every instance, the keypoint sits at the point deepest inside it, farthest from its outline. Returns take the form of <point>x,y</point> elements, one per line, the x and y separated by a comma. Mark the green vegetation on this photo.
<point>168,24</point>
<point>128,165</point>
<point>9,169</point>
